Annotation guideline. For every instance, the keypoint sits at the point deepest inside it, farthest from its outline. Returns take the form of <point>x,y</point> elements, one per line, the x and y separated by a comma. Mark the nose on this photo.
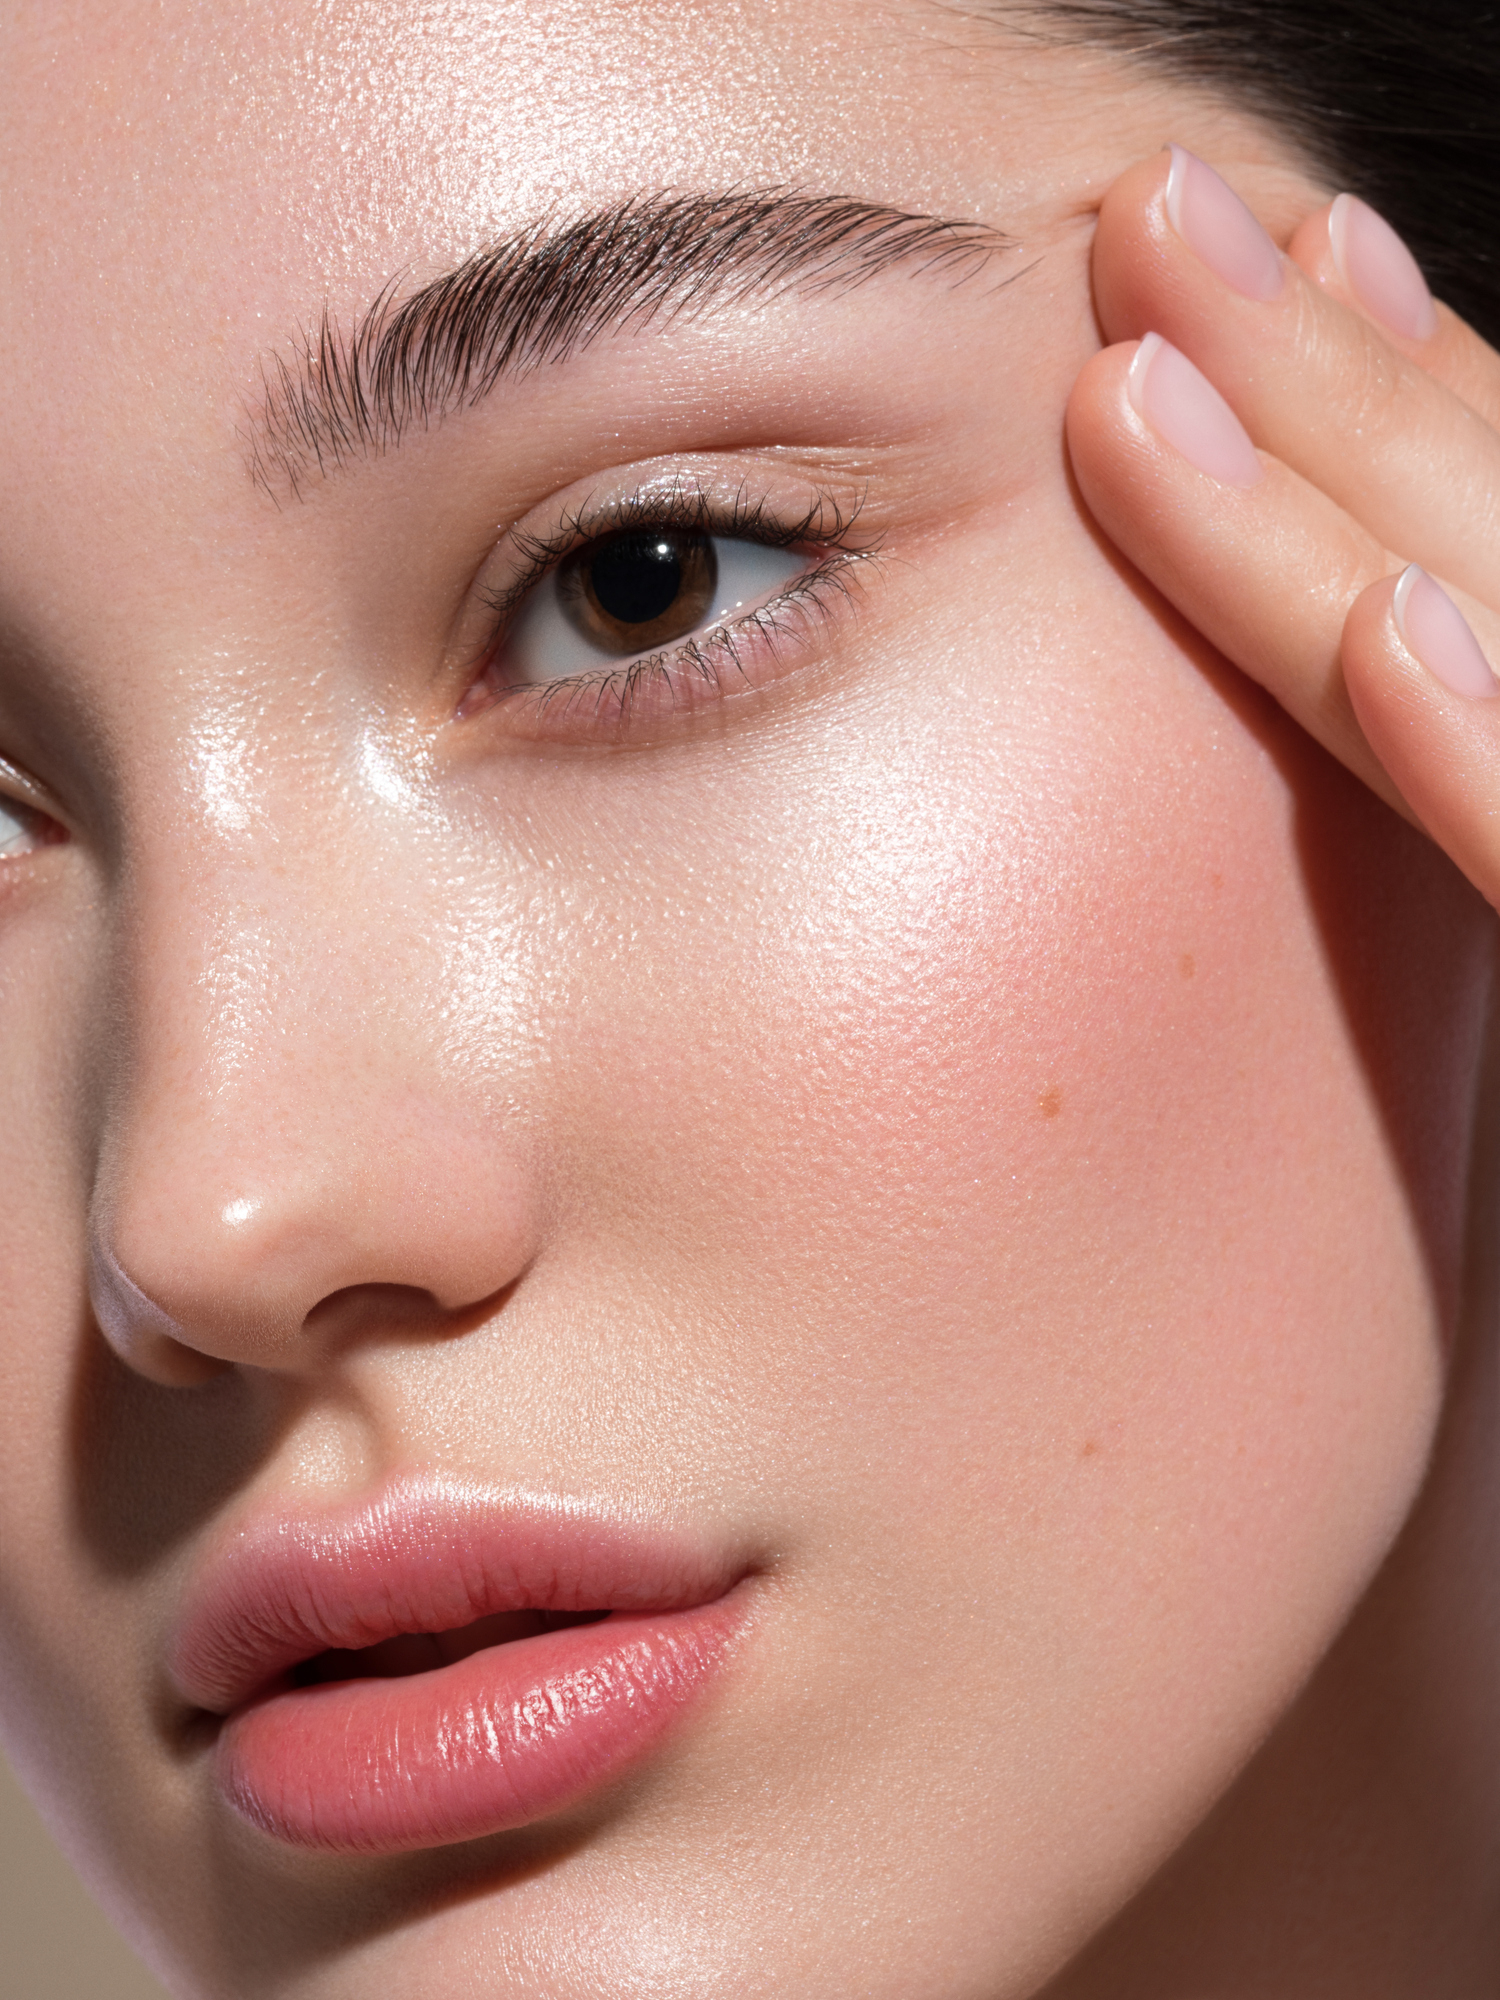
<point>287,1160</point>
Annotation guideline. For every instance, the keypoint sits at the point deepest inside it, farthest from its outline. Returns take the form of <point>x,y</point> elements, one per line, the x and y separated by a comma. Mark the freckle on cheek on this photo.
<point>1187,965</point>
<point>1050,1102</point>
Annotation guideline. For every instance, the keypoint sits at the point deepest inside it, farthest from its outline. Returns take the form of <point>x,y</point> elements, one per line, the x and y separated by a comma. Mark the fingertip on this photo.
<point>1099,408</point>
<point>1102,376</point>
<point>1407,624</point>
<point>1424,697</point>
<point>1142,182</point>
<point>1439,637</point>
<point>1131,241</point>
<point>1370,629</point>
<point>1429,333</point>
<point>1311,250</point>
<point>1352,253</point>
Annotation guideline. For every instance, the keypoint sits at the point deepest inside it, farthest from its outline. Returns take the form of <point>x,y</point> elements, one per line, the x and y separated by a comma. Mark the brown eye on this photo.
<point>640,589</point>
<point>638,592</point>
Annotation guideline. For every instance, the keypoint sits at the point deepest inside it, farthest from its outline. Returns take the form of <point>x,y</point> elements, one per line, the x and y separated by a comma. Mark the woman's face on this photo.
<point>926,1109</point>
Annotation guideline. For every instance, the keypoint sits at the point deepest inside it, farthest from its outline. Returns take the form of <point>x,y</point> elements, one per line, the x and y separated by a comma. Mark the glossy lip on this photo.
<point>505,1736</point>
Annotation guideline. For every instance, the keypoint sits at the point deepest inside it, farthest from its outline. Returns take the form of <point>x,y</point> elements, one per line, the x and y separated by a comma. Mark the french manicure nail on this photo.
<point>1439,635</point>
<point>1379,269</point>
<point>1185,409</point>
<point>1214,223</point>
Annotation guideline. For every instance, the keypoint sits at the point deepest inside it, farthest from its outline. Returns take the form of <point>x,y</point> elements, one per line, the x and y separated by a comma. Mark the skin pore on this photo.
<point>964,1109</point>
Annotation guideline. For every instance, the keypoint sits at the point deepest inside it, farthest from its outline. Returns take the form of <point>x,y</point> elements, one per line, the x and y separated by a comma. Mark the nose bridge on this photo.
<point>232,986</point>
<point>279,1127</point>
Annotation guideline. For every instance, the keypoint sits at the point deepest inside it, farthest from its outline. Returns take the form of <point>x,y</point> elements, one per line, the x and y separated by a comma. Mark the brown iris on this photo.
<point>642,588</point>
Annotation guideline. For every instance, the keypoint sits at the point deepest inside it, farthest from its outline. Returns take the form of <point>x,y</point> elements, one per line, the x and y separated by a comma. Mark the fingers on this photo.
<point>1258,558</point>
<point>1319,386</point>
<point>1418,673</point>
<point>1354,256</point>
<point>1280,516</point>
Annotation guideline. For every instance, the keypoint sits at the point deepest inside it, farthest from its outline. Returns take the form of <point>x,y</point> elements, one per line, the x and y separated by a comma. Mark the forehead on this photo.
<point>184,191</point>
<point>185,187</point>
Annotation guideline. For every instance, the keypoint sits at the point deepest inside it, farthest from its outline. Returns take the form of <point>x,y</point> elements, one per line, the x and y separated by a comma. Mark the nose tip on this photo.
<point>188,1277</point>
<point>143,1334</point>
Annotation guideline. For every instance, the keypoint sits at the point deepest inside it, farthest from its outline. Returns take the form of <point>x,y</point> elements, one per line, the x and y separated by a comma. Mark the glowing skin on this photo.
<point>967,1124</point>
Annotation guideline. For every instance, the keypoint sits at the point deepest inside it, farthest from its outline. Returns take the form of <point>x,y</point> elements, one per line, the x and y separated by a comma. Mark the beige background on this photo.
<point>54,1945</point>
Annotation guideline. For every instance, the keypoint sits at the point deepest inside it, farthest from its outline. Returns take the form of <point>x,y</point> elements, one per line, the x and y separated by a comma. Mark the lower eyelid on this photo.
<point>697,672</point>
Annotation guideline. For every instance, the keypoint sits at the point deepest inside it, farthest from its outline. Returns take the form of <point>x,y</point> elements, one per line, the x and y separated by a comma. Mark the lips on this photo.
<point>444,1662</point>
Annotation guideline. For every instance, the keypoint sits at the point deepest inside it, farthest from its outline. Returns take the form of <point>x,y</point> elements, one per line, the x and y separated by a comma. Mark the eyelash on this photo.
<point>715,656</point>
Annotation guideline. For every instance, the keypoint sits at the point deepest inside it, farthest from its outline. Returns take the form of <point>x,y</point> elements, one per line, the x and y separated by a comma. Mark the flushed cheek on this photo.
<point>960,1002</point>
<point>1006,1144</point>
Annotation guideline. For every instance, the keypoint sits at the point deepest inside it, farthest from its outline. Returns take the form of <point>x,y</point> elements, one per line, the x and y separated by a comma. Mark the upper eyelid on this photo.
<point>22,789</point>
<point>826,522</point>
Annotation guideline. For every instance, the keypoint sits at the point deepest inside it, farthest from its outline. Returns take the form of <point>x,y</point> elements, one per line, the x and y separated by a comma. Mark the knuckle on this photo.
<point>1371,390</point>
<point>1354,562</point>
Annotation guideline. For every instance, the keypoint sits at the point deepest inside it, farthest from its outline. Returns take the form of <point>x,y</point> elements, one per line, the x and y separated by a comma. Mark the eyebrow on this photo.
<point>551,290</point>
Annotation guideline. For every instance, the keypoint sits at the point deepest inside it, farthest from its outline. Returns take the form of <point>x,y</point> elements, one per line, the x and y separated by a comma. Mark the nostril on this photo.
<point>396,1312</point>
<point>357,1310</point>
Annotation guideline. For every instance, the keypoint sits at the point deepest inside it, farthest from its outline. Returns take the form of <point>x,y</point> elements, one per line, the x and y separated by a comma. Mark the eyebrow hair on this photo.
<point>551,290</point>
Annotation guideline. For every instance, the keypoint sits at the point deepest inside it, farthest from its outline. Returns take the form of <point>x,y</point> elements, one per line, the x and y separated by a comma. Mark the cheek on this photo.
<point>1091,992</point>
<point>1020,1138</point>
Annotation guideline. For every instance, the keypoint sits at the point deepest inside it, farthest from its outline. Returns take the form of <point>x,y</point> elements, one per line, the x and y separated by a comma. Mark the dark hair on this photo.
<point>1399,104</point>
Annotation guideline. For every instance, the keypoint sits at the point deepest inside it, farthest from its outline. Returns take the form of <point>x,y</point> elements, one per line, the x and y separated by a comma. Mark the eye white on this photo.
<point>17,830</point>
<point>544,645</point>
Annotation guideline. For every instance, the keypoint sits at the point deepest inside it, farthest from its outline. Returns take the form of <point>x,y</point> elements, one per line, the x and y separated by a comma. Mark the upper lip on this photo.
<point>425,1554</point>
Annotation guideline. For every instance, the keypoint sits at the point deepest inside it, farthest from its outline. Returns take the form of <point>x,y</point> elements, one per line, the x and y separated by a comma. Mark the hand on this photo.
<point>1373,416</point>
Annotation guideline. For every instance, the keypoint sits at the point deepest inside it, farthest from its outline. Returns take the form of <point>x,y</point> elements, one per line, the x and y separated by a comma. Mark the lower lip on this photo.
<point>501,1739</point>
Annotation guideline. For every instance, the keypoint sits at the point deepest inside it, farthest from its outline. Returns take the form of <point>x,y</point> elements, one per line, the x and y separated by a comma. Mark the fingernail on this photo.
<point>1213,222</point>
<point>1379,269</point>
<point>1439,635</point>
<point>1183,407</point>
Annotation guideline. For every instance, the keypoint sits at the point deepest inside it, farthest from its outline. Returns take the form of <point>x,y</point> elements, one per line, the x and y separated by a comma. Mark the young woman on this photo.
<point>744,1047</point>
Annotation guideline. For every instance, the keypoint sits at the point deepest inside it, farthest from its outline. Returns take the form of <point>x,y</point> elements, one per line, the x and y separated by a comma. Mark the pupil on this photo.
<point>637,578</point>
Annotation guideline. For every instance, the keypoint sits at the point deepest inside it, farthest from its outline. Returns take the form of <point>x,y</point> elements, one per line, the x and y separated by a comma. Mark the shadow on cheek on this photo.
<point>150,1464</point>
<point>1409,947</point>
